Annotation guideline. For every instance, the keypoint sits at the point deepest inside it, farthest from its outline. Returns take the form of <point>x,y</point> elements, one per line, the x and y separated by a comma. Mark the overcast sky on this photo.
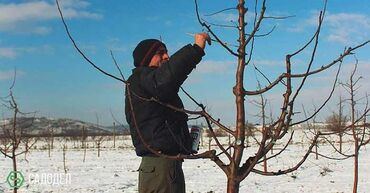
<point>54,80</point>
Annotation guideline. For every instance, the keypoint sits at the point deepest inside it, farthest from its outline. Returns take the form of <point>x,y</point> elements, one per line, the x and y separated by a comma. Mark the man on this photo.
<point>158,76</point>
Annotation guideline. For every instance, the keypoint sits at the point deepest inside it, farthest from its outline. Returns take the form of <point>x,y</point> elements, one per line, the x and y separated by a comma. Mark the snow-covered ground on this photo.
<point>115,171</point>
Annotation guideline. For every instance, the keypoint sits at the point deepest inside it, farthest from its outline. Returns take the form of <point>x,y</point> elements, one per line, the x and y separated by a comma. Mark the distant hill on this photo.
<point>43,126</point>
<point>122,129</point>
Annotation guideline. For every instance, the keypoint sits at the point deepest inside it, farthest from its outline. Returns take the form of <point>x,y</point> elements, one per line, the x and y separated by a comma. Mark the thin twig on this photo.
<point>227,9</point>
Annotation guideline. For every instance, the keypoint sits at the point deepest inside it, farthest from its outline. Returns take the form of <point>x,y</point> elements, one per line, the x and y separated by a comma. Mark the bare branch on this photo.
<point>195,118</point>
<point>281,151</point>
<point>311,59</point>
<point>14,78</point>
<point>280,172</point>
<point>279,17</point>
<point>257,25</point>
<point>211,32</point>
<point>115,119</point>
<point>79,50</point>
<point>213,40</point>
<point>334,158</point>
<point>265,34</point>
<point>223,10</point>
<point>219,25</point>
<point>118,68</point>
<point>218,142</point>
<point>335,148</point>
<point>325,102</point>
<point>255,67</point>
<point>5,154</point>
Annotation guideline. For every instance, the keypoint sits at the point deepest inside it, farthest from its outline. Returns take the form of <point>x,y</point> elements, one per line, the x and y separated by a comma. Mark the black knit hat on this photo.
<point>145,51</point>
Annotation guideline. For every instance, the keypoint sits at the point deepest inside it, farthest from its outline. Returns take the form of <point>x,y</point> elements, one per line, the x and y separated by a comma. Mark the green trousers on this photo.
<point>161,175</point>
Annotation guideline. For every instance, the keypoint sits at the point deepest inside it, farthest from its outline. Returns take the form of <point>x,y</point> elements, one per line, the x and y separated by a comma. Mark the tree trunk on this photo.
<point>209,143</point>
<point>229,139</point>
<point>272,150</point>
<point>232,185</point>
<point>85,144</point>
<point>238,90</point>
<point>247,141</point>
<point>52,140</point>
<point>114,135</point>
<point>49,146</point>
<point>14,158</point>
<point>98,149</point>
<point>340,142</point>
<point>264,163</point>
<point>201,137</point>
<point>316,152</point>
<point>355,177</point>
<point>229,143</point>
<point>64,158</point>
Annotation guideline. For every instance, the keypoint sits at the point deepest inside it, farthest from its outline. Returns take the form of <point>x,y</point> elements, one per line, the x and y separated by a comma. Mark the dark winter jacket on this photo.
<point>164,129</point>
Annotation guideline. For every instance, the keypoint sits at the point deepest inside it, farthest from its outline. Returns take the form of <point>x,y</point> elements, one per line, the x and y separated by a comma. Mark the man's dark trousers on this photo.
<point>161,175</point>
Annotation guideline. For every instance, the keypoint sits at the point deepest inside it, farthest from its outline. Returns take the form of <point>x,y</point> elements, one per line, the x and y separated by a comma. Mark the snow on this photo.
<point>115,171</point>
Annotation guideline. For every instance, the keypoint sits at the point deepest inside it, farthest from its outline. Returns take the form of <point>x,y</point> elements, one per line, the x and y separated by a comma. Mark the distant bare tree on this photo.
<point>48,136</point>
<point>84,136</point>
<point>250,132</point>
<point>337,123</point>
<point>114,134</point>
<point>98,138</point>
<point>311,129</point>
<point>99,141</point>
<point>262,115</point>
<point>64,148</point>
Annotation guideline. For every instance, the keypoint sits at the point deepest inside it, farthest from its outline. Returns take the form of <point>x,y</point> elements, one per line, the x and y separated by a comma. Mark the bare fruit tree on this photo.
<point>358,128</point>
<point>229,158</point>
<point>235,170</point>
<point>18,141</point>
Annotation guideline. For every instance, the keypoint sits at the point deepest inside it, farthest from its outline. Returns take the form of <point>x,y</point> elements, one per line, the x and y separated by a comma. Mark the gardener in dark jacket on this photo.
<point>165,130</point>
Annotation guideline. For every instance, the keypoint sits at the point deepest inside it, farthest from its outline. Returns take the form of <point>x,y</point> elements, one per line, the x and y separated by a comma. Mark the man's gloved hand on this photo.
<point>201,38</point>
